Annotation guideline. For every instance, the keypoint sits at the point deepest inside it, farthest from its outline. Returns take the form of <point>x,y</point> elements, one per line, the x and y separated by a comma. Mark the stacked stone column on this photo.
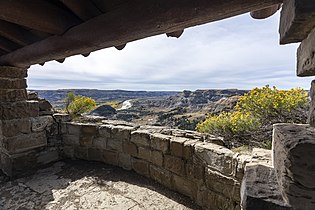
<point>17,141</point>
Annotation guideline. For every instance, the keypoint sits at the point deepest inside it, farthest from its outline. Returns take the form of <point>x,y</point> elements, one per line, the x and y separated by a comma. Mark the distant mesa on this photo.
<point>103,110</point>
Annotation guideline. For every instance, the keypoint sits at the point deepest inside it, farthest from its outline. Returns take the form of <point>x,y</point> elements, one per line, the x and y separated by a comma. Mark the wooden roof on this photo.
<point>36,31</point>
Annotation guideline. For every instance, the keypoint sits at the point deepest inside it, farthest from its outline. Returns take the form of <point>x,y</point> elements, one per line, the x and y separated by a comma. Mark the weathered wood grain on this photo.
<point>136,20</point>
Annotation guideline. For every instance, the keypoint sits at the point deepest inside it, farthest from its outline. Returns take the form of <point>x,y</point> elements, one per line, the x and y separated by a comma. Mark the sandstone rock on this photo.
<point>44,105</point>
<point>140,138</point>
<point>174,164</point>
<point>217,157</point>
<point>12,72</point>
<point>17,110</point>
<point>24,142</point>
<point>160,142</point>
<point>157,158</point>
<point>311,115</point>
<point>260,189</point>
<point>95,154</point>
<point>110,157</point>
<point>16,127</point>
<point>12,95</point>
<point>195,171</point>
<point>262,156</point>
<point>124,161</point>
<point>144,153</point>
<point>130,148</point>
<point>161,175</point>
<point>140,166</point>
<point>31,95</point>
<point>41,123</point>
<point>185,186</point>
<point>293,158</point>
<point>177,146</point>
<point>6,83</point>
<point>188,150</point>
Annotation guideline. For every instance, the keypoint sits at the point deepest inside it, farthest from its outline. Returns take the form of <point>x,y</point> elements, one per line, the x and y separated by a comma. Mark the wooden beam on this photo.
<point>37,14</point>
<point>175,34</point>
<point>297,20</point>
<point>106,6</point>
<point>306,56</point>
<point>82,8</point>
<point>266,12</point>
<point>7,45</point>
<point>136,20</point>
<point>16,33</point>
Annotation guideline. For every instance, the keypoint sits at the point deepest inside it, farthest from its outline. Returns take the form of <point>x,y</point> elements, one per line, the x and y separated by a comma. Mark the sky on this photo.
<point>238,52</point>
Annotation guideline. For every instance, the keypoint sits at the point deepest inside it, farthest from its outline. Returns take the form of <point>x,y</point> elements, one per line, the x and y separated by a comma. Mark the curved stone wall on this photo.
<point>208,173</point>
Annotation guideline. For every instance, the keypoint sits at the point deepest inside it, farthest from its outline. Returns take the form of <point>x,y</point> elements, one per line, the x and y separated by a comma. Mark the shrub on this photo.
<point>77,105</point>
<point>252,118</point>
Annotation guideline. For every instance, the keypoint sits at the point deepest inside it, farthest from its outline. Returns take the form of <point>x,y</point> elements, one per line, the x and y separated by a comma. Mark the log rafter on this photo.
<point>134,20</point>
<point>37,14</point>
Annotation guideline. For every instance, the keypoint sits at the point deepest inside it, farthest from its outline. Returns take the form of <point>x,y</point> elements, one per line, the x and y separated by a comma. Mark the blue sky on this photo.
<point>239,52</point>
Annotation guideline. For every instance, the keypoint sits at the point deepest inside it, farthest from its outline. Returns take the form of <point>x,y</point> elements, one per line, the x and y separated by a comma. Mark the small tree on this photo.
<point>76,105</point>
<point>252,118</point>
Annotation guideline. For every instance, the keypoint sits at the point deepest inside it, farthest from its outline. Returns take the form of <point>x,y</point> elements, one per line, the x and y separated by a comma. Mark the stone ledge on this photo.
<point>13,72</point>
<point>18,110</point>
<point>293,159</point>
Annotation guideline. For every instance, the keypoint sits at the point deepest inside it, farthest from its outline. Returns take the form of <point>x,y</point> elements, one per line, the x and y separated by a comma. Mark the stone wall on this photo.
<point>25,136</point>
<point>207,173</point>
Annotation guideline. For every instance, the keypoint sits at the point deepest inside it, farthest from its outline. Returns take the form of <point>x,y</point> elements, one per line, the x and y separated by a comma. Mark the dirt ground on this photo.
<point>72,185</point>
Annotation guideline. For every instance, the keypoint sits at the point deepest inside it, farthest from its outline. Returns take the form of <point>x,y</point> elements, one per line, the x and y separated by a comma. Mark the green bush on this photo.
<point>252,118</point>
<point>77,105</point>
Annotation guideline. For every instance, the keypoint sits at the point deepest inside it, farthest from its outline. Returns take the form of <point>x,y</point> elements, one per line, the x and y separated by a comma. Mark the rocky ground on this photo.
<point>87,185</point>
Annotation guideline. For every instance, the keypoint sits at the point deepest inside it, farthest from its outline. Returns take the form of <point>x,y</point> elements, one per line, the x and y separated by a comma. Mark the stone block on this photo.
<point>48,156</point>
<point>177,146</point>
<point>214,200</point>
<point>124,161</point>
<point>88,133</point>
<point>217,157</point>
<point>261,156</point>
<point>18,110</point>
<point>185,186</point>
<point>105,131</point>
<point>305,56</point>
<point>222,184</point>
<point>311,114</point>
<point>44,105</point>
<point>81,153</point>
<point>160,142</point>
<point>16,127</point>
<point>144,153</point>
<point>95,154</point>
<point>195,171</point>
<point>41,123</point>
<point>122,133</point>
<point>24,142</point>
<point>174,164</point>
<point>130,148</point>
<point>293,159</point>
<point>189,147</point>
<point>99,142</point>
<point>239,162</point>
<point>140,138</point>
<point>68,152</point>
<point>73,128</point>
<point>9,95</point>
<point>114,144</point>
<point>13,72</point>
<point>71,140</point>
<point>140,166</point>
<point>260,189</point>
<point>161,175</point>
<point>60,117</point>
<point>6,83</point>
<point>157,158</point>
<point>110,157</point>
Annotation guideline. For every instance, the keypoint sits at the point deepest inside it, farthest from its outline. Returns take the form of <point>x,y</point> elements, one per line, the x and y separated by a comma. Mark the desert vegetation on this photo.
<point>76,105</point>
<point>251,120</point>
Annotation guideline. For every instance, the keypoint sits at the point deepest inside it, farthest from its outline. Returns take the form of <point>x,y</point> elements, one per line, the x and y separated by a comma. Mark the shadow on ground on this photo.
<point>87,185</point>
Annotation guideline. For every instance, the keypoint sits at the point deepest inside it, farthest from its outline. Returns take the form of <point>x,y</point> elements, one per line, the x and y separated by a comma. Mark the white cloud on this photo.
<point>235,53</point>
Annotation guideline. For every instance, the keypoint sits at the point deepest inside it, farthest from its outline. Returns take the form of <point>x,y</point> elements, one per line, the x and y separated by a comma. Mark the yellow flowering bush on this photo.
<point>76,105</point>
<point>253,116</point>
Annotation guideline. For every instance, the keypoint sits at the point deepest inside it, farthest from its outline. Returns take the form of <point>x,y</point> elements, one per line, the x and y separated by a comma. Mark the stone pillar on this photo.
<point>17,141</point>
